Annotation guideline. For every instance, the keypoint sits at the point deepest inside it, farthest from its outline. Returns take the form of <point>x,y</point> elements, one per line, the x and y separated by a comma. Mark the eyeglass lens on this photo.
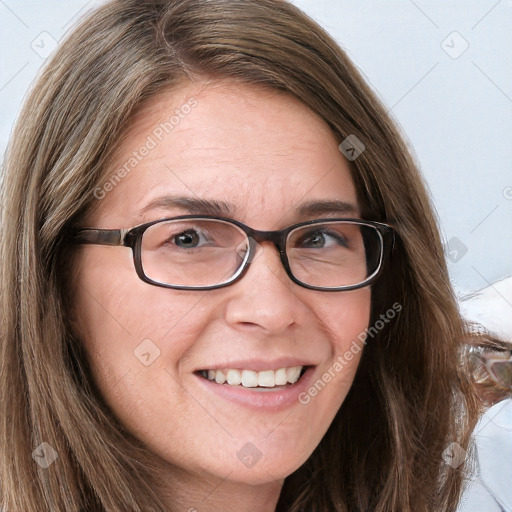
<point>501,371</point>
<point>208,252</point>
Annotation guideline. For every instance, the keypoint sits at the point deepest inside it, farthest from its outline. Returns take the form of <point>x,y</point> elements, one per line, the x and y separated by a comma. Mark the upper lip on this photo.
<point>258,364</point>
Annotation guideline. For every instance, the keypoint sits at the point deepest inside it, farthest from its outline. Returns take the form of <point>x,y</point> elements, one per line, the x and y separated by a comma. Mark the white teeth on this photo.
<point>249,379</point>
<point>252,379</point>
<point>266,379</point>
<point>220,377</point>
<point>234,377</point>
<point>280,377</point>
<point>293,373</point>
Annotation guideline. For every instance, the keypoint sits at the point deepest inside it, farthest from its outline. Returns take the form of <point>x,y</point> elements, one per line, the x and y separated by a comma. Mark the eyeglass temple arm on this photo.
<point>100,236</point>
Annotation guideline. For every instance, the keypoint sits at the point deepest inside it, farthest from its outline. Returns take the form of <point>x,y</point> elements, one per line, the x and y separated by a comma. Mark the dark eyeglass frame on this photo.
<point>132,237</point>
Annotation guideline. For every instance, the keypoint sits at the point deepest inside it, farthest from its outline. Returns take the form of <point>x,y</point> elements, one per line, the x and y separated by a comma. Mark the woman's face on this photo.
<point>262,157</point>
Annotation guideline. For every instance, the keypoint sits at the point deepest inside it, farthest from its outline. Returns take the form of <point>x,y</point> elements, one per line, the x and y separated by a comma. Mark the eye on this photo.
<point>189,239</point>
<point>321,239</point>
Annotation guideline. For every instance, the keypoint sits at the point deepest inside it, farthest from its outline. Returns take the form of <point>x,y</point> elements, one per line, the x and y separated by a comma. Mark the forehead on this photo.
<point>260,153</point>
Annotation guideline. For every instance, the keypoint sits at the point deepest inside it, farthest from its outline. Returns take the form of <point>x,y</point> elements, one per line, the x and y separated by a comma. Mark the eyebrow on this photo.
<point>326,207</point>
<point>198,206</point>
<point>193,205</point>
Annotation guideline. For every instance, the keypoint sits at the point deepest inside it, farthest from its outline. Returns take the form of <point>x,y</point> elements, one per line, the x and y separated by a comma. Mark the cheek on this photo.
<point>129,329</point>
<point>345,319</point>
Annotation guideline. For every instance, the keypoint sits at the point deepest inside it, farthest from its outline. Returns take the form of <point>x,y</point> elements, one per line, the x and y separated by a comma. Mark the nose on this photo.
<point>265,298</point>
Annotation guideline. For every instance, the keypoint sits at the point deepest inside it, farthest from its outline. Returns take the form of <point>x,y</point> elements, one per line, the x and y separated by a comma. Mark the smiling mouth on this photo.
<point>265,380</point>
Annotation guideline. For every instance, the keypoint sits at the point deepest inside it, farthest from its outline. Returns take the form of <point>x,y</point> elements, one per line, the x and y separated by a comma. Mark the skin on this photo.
<point>266,154</point>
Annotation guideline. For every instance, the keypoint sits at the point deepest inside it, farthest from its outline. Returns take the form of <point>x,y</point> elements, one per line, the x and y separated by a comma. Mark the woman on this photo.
<point>224,287</point>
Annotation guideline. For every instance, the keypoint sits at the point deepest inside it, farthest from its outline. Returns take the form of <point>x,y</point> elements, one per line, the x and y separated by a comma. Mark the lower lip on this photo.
<point>260,400</point>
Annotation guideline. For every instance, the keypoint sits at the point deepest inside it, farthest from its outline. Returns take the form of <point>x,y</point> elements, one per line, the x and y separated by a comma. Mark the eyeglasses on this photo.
<point>498,364</point>
<point>193,252</point>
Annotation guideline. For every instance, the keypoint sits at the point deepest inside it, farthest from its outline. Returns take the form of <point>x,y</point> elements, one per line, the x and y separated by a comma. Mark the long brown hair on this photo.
<point>410,398</point>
